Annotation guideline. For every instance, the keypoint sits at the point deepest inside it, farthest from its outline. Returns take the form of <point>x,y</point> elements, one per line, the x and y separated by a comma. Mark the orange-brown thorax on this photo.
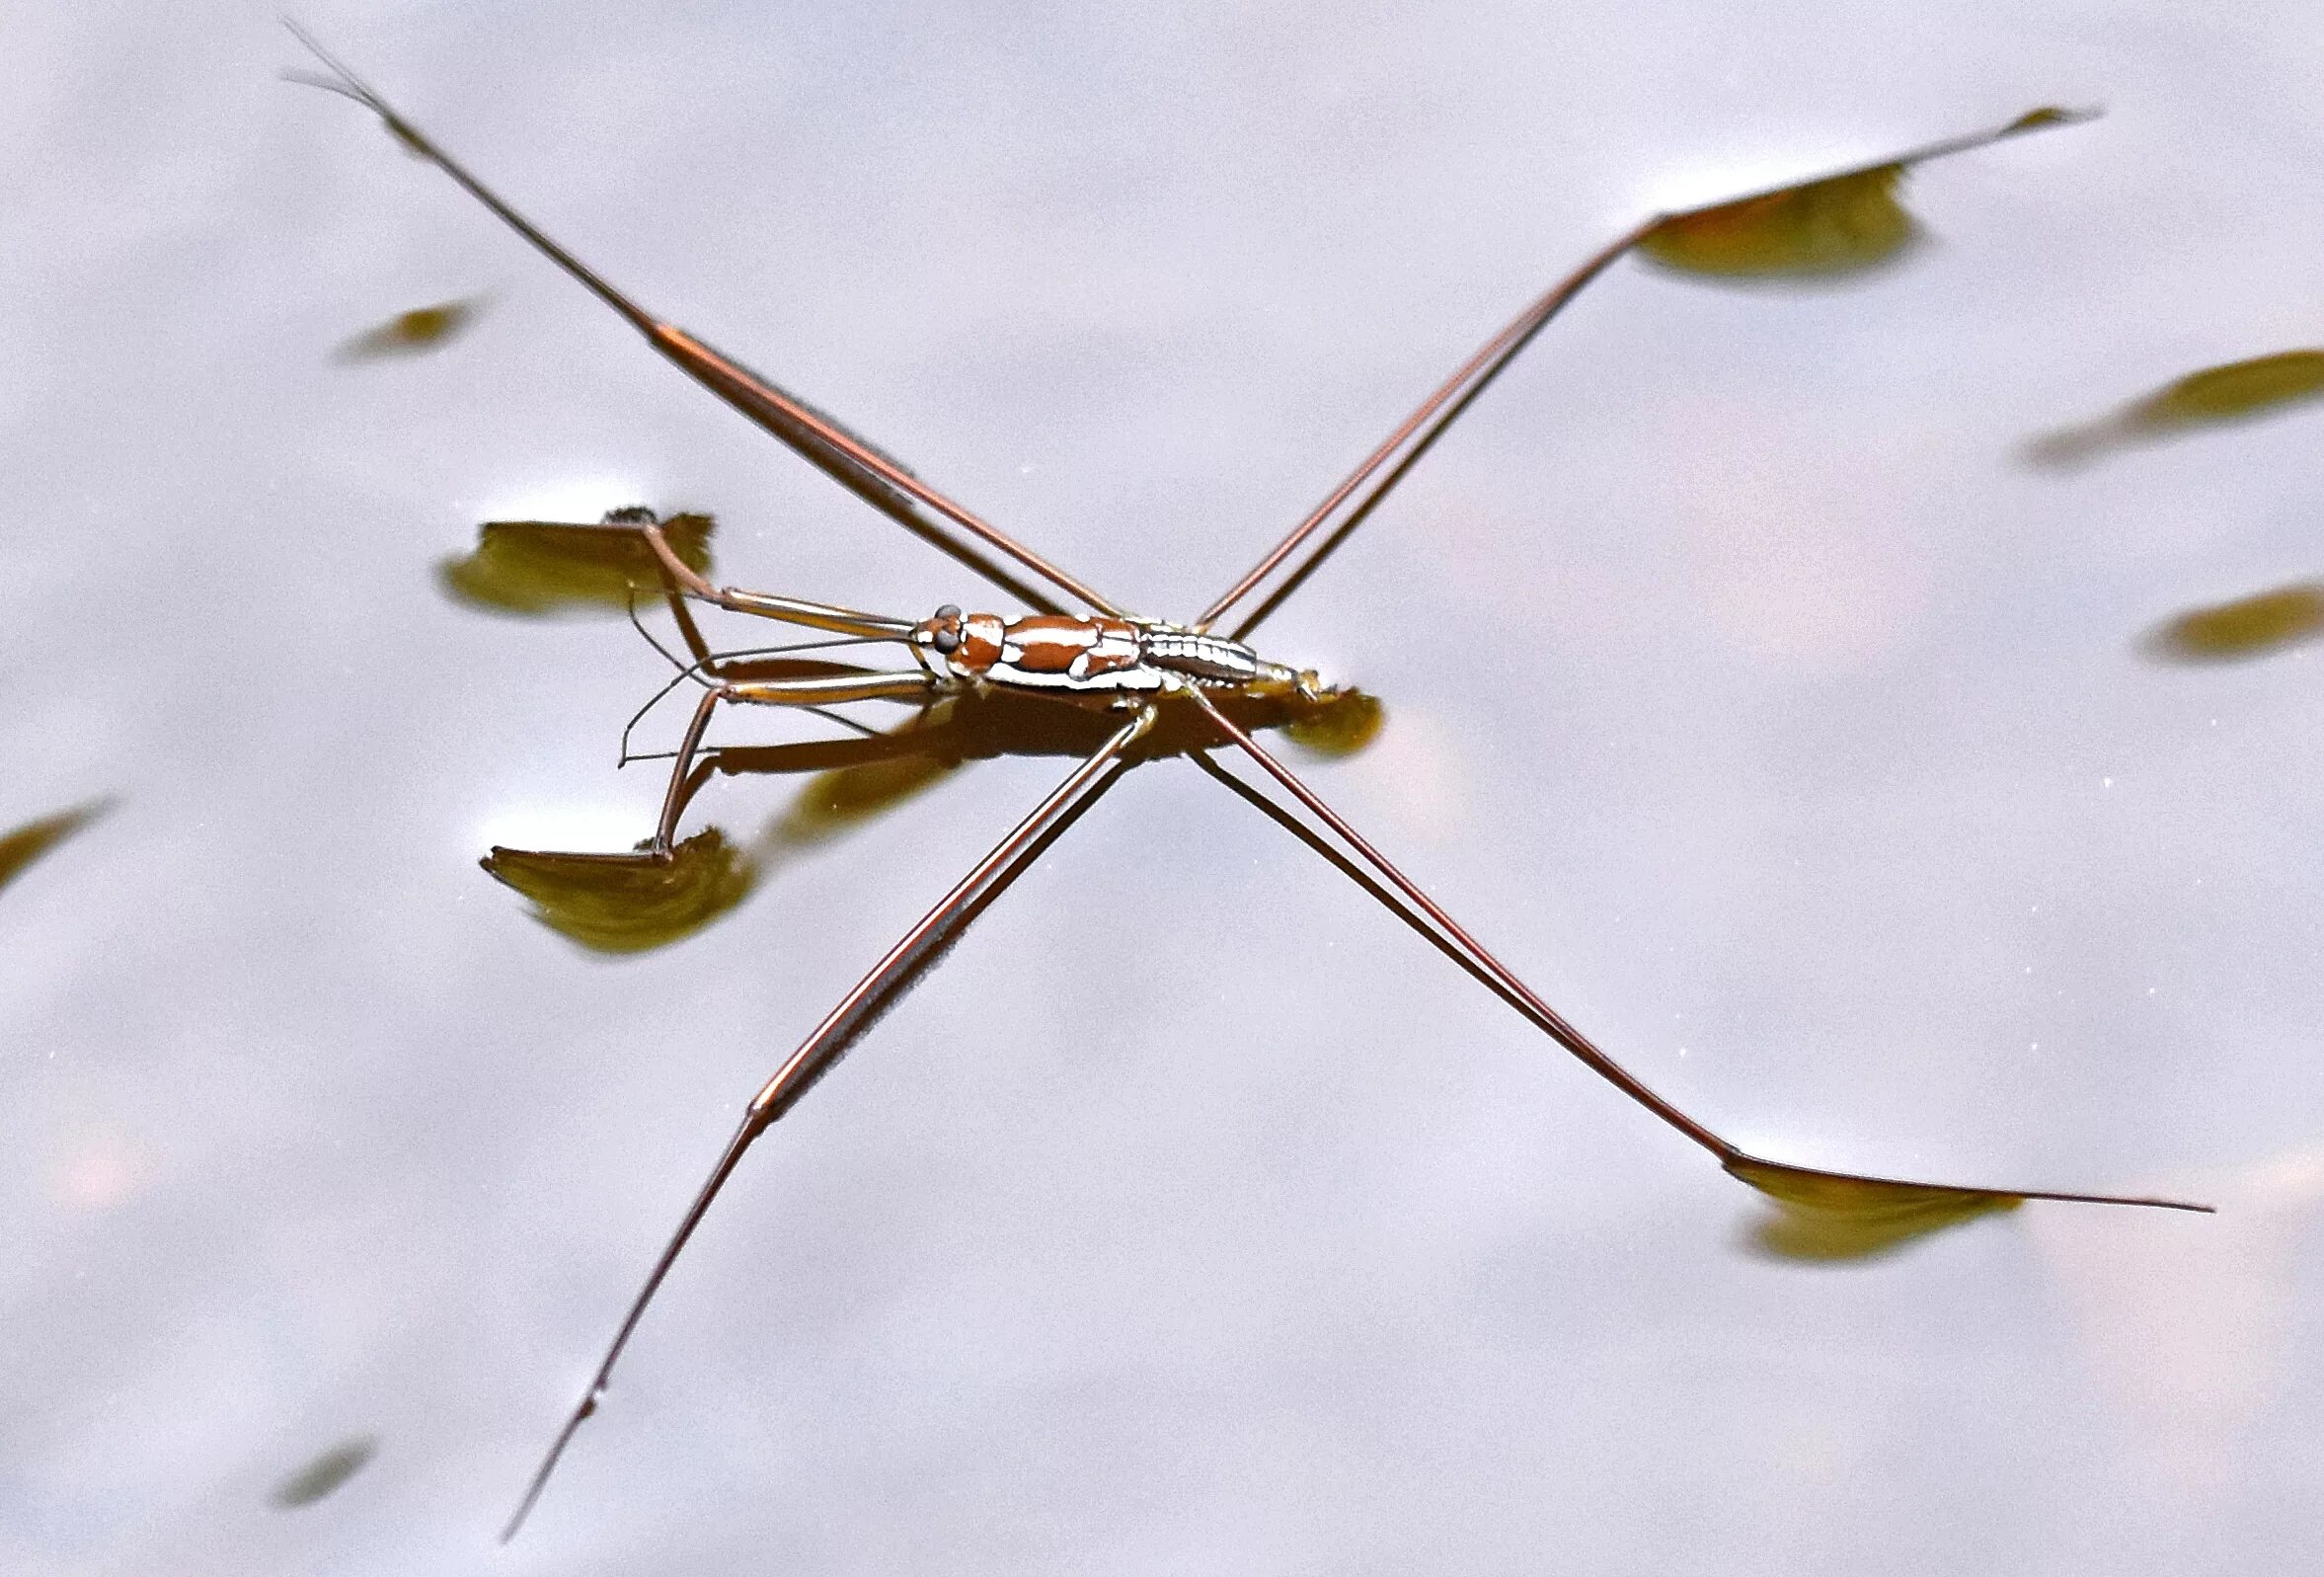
<point>973,644</point>
<point>980,641</point>
<point>1099,657</point>
<point>1052,644</point>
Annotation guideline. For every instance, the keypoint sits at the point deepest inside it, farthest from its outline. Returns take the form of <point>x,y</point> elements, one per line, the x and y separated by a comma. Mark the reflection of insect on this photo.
<point>1185,680</point>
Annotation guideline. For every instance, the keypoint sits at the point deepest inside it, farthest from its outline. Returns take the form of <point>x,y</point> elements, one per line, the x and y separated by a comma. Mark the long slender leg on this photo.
<point>683,790</point>
<point>1552,1023</point>
<point>683,784</point>
<point>674,797</point>
<point>819,690</point>
<point>683,617</point>
<point>870,747</point>
<point>834,690</point>
<point>839,454</point>
<point>681,578</point>
<point>1362,878</point>
<point>725,678</point>
<point>1421,429</point>
<point>823,691</point>
<point>1471,376</point>
<point>840,1028</point>
<point>680,581</point>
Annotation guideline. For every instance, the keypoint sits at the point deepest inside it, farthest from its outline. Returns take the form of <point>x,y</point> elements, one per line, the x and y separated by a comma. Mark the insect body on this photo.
<point>1183,682</point>
<point>1104,660</point>
<point>1118,658</point>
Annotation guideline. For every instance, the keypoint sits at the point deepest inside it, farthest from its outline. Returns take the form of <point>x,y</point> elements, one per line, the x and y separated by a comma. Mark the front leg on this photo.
<point>829,689</point>
<point>791,611</point>
<point>823,689</point>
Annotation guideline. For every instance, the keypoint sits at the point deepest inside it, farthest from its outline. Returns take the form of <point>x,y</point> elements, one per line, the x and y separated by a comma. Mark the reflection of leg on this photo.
<point>690,766</point>
<point>820,690</point>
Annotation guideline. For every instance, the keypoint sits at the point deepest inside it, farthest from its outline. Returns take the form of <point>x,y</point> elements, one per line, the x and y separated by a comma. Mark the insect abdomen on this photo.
<point>1207,658</point>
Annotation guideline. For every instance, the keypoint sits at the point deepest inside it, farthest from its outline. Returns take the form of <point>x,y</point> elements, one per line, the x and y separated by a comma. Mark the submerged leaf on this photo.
<point>325,1473</point>
<point>1826,228</point>
<point>1339,726</point>
<point>621,904</point>
<point>27,843</point>
<point>2232,391</point>
<point>2220,396</point>
<point>1839,225</point>
<point>543,567</point>
<point>2250,626</point>
<point>411,333</point>
<point>1825,1216</point>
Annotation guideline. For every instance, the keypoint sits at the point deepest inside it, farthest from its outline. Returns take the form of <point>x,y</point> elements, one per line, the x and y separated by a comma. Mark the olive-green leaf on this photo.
<point>1827,228</point>
<point>2231,393</point>
<point>1842,224</point>
<point>413,333</point>
<point>21,846</point>
<point>1825,1217</point>
<point>2250,626</point>
<point>623,903</point>
<point>2050,114</point>
<point>537,568</point>
<point>325,1473</point>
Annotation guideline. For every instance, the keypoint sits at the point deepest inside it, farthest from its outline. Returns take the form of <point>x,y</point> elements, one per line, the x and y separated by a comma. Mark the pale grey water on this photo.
<point>1795,742</point>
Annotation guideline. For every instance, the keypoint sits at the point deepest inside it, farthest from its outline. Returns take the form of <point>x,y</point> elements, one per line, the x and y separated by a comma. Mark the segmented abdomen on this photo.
<point>1208,658</point>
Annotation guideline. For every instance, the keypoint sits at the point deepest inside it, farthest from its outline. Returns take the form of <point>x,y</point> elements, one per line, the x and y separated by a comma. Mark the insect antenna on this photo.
<point>844,721</point>
<point>823,712</point>
<point>698,672</point>
<point>684,670</point>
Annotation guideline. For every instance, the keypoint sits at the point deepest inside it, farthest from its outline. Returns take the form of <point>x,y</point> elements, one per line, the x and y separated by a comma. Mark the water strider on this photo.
<point>1141,679</point>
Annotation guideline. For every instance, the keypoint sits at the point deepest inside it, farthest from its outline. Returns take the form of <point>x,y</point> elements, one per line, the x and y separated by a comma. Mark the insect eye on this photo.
<point>950,611</point>
<point>946,640</point>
